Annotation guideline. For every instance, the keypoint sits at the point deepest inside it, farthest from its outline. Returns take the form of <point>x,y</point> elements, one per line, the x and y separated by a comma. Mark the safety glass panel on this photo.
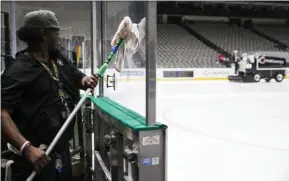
<point>127,87</point>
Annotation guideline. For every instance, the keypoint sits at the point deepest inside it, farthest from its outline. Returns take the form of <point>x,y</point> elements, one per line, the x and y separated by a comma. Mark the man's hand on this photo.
<point>89,81</point>
<point>37,157</point>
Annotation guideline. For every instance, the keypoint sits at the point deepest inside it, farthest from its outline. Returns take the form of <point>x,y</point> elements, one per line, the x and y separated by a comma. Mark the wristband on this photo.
<point>24,145</point>
<point>25,148</point>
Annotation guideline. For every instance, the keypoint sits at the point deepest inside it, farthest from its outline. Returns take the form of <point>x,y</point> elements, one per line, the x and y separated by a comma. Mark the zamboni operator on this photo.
<point>38,93</point>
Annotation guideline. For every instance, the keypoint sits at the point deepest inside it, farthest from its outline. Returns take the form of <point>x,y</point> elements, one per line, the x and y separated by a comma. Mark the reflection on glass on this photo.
<point>130,88</point>
<point>4,38</point>
<point>2,64</point>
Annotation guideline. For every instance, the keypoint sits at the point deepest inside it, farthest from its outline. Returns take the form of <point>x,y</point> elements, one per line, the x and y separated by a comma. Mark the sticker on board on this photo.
<point>147,162</point>
<point>150,161</point>
<point>151,140</point>
<point>155,160</point>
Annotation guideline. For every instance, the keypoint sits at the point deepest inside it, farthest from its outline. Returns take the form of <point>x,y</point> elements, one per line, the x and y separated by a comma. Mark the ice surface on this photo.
<point>219,130</point>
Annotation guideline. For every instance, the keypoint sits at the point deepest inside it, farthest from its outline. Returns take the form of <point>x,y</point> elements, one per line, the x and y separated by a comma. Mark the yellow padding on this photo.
<point>78,53</point>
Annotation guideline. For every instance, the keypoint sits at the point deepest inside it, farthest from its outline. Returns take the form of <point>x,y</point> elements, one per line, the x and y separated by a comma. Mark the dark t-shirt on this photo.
<point>31,94</point>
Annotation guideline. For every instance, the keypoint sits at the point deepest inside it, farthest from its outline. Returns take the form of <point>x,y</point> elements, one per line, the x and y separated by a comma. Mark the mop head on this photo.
<point>133,35</point>
<point>123,31</point>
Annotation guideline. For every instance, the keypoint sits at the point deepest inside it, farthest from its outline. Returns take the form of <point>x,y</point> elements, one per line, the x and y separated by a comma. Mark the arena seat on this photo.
<point>277,32</point>
<point>178,49</point>
<point>231,38</point>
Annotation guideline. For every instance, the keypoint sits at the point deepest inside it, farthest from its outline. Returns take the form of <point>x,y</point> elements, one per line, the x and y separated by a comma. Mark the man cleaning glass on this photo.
<point>38,93</point>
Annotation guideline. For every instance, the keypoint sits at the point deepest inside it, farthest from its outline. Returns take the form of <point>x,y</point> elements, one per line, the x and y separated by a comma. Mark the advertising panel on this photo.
<point>215,73</point>
<point>178,74</point>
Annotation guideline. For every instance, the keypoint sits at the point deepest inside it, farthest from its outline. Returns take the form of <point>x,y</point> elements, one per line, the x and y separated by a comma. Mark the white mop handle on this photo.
<point>62,130</point>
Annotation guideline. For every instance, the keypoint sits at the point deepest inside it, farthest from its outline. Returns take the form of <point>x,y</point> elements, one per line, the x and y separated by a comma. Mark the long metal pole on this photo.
<point>151,36</point>
<point>101,20</point>
<point>94,64</point>
<point>13,29</point>
<point>93,38</point>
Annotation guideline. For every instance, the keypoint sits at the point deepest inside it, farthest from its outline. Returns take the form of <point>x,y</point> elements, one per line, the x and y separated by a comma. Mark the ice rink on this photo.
<point>219,130</point>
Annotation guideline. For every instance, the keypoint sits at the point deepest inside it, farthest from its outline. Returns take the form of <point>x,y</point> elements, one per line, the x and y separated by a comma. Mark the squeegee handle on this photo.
<point>100,72</point>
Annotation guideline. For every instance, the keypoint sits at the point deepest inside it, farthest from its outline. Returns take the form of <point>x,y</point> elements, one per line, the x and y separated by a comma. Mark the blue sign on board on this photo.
<point>147,162</point>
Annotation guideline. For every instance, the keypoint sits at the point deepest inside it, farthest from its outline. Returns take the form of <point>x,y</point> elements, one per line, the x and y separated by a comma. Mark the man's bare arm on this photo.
<point>10,130</point>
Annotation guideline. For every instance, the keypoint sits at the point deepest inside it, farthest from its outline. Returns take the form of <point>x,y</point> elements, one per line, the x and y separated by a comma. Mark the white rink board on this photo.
<point>199,74</point>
